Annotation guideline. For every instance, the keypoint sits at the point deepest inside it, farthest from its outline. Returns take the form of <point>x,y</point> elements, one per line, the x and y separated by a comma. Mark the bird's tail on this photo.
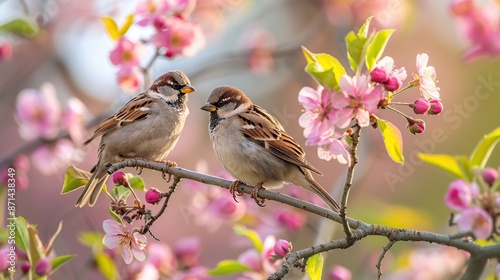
<point>320,191</point>
<point>92,189</point>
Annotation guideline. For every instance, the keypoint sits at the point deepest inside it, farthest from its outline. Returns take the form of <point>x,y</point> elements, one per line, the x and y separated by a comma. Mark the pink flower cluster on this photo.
<point>40,115</point>
<point>477,206</point>
<point>165,262</point>
<point>478,22</point>
<point>174,36</point>
<point>264,262</point>
<point>359,98</point>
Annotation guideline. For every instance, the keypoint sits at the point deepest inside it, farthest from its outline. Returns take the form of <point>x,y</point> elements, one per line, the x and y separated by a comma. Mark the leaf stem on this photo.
<point>410,85</point>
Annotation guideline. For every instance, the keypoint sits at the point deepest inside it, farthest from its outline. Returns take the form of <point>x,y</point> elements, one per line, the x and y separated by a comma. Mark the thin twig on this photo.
<point>349,178</point>
<point>167,196</point>
<point>382,256</point>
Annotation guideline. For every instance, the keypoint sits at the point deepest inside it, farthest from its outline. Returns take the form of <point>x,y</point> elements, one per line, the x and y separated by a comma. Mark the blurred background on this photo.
<point>253,45</point>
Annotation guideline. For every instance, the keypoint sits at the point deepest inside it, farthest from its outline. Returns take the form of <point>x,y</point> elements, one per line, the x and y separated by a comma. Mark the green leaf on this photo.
<point>36,248</point>
<point>228,267</point>
<point>59,261</point>
<point>377,47</point>
<point>392,140</point>
<point>48,248</point>
<point>136,182</point>
<point>446,162</point>
<point>483,150</point>
<point>121,192</point>
<point>90,238</point>
<point>74,179</point>
<point>324,68</point>
<point>115,216</point>
<point>253,236</point>
<point>106,266</point>
<point>22,236</point>
<point>23,27</point>
<point>314,267</point>
<point>356,44</point>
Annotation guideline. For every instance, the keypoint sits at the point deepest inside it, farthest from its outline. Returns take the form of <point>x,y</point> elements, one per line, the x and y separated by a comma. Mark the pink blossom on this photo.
<point>162,258</point>
<point>251,258</point>
<point>426,78</point>
<point>477,220</point>
<point>53,157</point>
<point>187,251</point>
<point>490,175</point>
<point>290,219</point>
<point>478,23</point>
<point>459,195</point>
<point>213,207</point>
<point>153,196</point>
<point>415,125</point>
<point>334,148</point>
<point>148,10</point>
<point>259,44</point>
<point>268,257</point>
<point>74,119</point>
<point>282,247</point>
<point>43,267</point>
<point>5,51</point>
<point>319,117</point>
<point>385,73</point>
<point>179,37</point>
<point>357,100</point>
<point>421,106</point>
<point>127,52</point>
<point>339,272</point>
<point>131,245</point>
<point>119,178</point>
<point>130,79</point>
<point>436,107</point>
<point>38,112</point>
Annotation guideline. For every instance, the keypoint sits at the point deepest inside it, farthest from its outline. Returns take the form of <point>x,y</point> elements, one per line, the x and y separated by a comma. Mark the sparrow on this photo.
<point>255,148</point>
<point>147,126</point>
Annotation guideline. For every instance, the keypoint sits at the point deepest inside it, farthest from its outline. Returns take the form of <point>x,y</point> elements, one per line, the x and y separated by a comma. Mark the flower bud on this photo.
<point>421,106</point>
<point>436,107</point>
<point>119,178</point>
<point>282,247</point>
<point>490,175</point>
<point>393,84</point>
<point>5,51</point>
<point>379,75</point>
<point>416,126</point>
<point>25,267</point>
<point>43,267</point>
<point>339,272</point>
<point>153,196</point>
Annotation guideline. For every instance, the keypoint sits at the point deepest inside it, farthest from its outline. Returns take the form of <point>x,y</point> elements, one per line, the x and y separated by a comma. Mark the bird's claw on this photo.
<point>169,164</point>
<point>255,195</point>
<point>233,189</point>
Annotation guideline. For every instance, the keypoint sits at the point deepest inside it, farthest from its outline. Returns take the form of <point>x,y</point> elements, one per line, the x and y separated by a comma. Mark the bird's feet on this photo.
<point>233,189</point>
<point>255,194</point>
<point>169,164</point>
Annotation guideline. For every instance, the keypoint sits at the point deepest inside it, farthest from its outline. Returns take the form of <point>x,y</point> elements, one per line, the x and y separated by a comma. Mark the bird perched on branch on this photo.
<point>148,127</point>
<point>254,147</point>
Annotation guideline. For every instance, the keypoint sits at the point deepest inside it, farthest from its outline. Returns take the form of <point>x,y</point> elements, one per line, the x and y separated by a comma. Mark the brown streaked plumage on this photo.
<point>148,126</point>
<point>255,148</point>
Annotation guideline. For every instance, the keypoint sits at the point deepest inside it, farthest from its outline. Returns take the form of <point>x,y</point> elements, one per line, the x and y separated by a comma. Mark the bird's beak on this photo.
<point>208,107</point>
<point>187,89</point>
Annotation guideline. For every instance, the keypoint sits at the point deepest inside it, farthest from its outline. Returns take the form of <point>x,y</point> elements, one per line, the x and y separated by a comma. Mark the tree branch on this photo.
<point>479,254</point>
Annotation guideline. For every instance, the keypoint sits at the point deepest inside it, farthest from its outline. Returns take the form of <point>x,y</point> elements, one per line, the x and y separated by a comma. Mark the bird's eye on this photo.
<point>176,86</point>
<point>220,103</point>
